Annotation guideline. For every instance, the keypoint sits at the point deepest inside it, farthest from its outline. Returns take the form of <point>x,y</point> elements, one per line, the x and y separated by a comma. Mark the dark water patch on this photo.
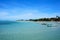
<point>6,22</point>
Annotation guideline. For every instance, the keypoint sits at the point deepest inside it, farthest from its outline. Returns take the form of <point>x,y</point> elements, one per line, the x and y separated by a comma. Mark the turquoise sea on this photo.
<point>10,30</point>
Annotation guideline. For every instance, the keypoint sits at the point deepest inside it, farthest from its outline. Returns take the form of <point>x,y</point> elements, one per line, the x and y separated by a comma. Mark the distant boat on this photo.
<point>51,25</point>
<point>43,23</point>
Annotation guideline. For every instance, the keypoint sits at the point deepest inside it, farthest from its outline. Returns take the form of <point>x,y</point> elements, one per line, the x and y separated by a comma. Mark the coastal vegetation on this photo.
<point>57,18</point>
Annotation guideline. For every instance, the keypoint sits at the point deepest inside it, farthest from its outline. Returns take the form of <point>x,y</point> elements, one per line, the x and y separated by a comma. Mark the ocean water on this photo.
<point>29,30</point>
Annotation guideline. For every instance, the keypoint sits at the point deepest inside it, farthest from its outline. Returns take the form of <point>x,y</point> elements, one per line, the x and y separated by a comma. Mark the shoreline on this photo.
<point>40,21</point>
<point>37,21</point>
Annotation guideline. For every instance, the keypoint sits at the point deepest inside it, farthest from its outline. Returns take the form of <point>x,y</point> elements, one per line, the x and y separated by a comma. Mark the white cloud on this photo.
<point>2,14</point>
<point>25,14</point>
<point>22,16</point>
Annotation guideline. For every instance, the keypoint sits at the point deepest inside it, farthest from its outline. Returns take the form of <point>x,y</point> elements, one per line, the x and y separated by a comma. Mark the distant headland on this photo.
<point>57,18</point>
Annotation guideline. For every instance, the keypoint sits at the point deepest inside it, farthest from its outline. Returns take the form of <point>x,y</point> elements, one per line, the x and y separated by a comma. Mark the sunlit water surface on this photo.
<point>29,31</point>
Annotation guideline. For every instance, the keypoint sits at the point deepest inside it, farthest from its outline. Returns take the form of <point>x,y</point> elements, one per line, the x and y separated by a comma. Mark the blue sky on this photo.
<point>28,9</point>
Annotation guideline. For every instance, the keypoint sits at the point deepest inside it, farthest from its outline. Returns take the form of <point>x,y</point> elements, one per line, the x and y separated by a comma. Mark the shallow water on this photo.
<point>29,31</point>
